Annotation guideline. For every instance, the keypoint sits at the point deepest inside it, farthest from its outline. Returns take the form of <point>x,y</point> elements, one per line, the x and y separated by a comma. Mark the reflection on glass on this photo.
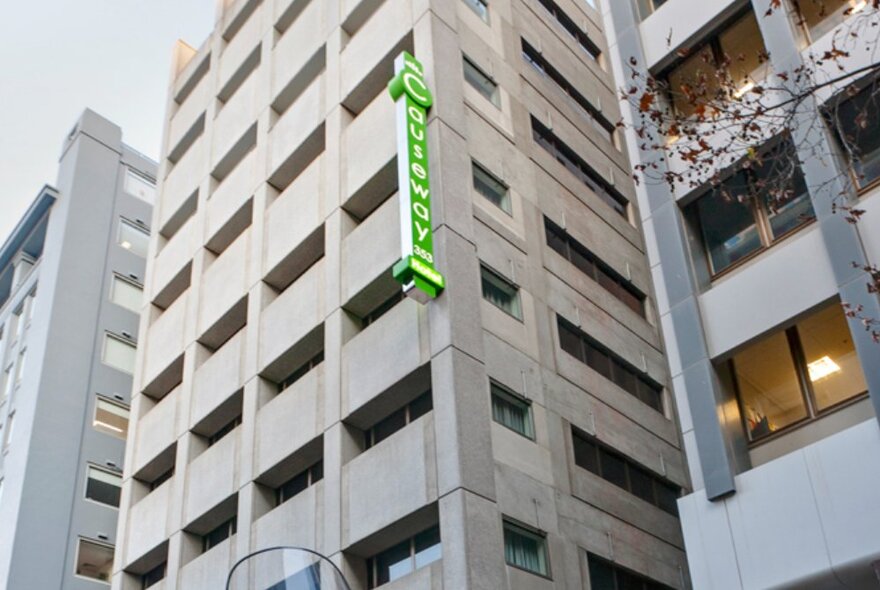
<point>695,76</point>
<point>427,547</point>
<point>832,363</point>
<point>768,386</point>
<point>394,563</point>
<point>133,238</point>
<point>744,47</point>
<point>858,122</point>
<point>727,222</point>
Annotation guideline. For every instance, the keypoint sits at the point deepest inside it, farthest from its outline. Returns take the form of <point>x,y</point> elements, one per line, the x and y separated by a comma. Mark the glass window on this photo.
<point>300,482</point>
<point>500,293</point>
<point>736,55</point>
<point>134,238</point>
<point>605,575</point>
<point>727,222</point>
<point>219,534</point>
<point>398,419</point>
<point>140,186</point>
<point>525,549</point>
<point>103,486</point>
<point>624,473</point>
<point>119,353</point>
<point>481,7</point>
<point>820,16</point>
<point>224,430</point>
<point>111,418</point>
<point>154,576</point>
<point>857,124</point>
<point>481,82</point>
<point>405,557</point>
<point>570,27</point>
<point>647,7</point>
<point>798,373</point>
<point>301,371</point>
<point>94,560</point>
<point>126,293</point>
<point>833,366</point>
<point>768,385</point>
<point>491,188</point>
<point>512,411</point>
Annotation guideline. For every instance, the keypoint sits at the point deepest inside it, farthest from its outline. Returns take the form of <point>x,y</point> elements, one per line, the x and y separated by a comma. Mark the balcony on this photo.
<point>291,419</point>
<point>371,249</point>
<point>224,289</point>
<point>212,476</point>
<point>235,117</point>
<point>390,480</point>
<point>148,522</point>
<point>370,146</point>
<point>372,361</point>
<point>298,44</point>
<point>183,180</point>
<point>295,523</point>
<point>297,137</point>
<point>294,313</point>
<point>209,570</point>
<point>156,430</point>
<point>165,342</point>
<point>219,377</point>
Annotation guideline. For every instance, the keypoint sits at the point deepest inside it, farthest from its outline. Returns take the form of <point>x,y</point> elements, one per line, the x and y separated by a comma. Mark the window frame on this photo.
<point>93,467</point>
<point>149,583</point>
<point>101,398</point>
<point>505,201</point>
<point>523,530</point>
<point>484,13</point>
<point>512,398</point>
<point>408,418</point>
<point>228,526</point>
<point>758,208</point>
<point>138,227</point>
<point>301,371</point>
<point>832,122</point>
<point>494,97</point>
<point>123,340</point>
<point>85,540</point>
<point>314,473</point>
<point>114,277</point>
<point>647,583</point>
<point>500,282</point>
<point>805,386</point>
<point>593,51</point>
<point>372,562</point>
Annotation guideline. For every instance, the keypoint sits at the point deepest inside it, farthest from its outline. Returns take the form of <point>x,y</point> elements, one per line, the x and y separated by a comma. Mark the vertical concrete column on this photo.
<point>828,182</point>
<point>722,452</point>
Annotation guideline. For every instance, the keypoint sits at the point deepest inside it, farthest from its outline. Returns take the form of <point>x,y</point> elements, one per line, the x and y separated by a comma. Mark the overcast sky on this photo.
<point>58,57</point>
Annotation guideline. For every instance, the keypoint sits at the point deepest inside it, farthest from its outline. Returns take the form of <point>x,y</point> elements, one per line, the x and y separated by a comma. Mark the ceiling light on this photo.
<point>821,368</point>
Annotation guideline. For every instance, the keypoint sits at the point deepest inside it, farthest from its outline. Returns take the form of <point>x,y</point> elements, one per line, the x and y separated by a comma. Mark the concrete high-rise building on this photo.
<point>779,391</point>
<point>70,292</point>
<point>515,432</point>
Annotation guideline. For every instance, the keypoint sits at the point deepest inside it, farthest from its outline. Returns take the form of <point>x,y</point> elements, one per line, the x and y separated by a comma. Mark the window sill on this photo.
<point>803,422</point>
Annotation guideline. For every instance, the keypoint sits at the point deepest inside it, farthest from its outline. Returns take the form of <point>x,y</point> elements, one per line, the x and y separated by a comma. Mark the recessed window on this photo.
<point>589,264</point>
<point>480,7</point>
<point>224,430</point>
<point>856,122</point>
<point>735,57</point>
<point>512,411</point>
<point>301,371</point>
<point>495,191</point>
<point>583,40</point>
<point>752,209</point>
<point>219,534</point>
<point>111,418</point>
<point>613,467</point>
<point>19,366</point>
<point>588,351</point>
<point>140,186</point>
<point>481,82</point>
<point>127,293</point>
<point>382,308</point>
<point>94,560</point>
<point>8,383</point>
<point>798,374</point>
<point>596,119</point>
<point>577,166</point>
<point>820,16</point>
<point>647,7</point>
<point>299,482</point>
<point>103,486</point>
<point>161,478</point>
<point>605,575</point>
<point>7,436</point>
<point>119,353</point>
<point>404,558</point>
<point>500,292</point>
<point>526,549</point>
<point>398,419</point>
<point>154,576</point>
<point>133,238</point>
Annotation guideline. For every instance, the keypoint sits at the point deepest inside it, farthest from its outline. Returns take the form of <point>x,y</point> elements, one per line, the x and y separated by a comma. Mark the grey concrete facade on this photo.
<point>277,226</point>
<point>788,512</point>
<point>56,272</point>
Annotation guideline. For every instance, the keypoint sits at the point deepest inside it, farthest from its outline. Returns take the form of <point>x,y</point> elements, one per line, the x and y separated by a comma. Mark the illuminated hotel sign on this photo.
<point>415,269</point>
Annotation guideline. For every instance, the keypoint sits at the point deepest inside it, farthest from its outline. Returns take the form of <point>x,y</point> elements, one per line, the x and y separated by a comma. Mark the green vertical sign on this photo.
<point>415,269</point>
